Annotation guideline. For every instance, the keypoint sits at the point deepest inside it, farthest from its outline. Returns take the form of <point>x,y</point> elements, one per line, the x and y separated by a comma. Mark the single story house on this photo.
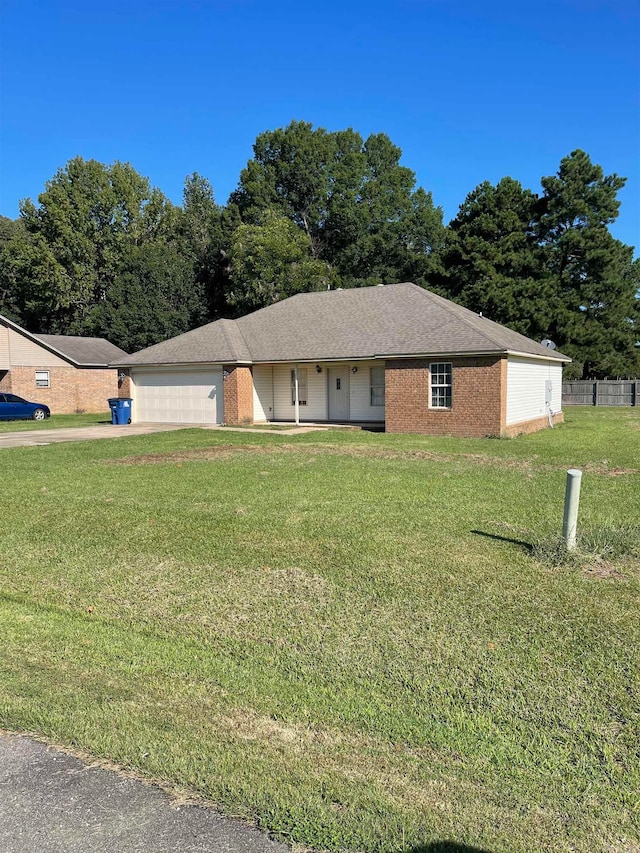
<point>394,354</point>
<point>67,373</point>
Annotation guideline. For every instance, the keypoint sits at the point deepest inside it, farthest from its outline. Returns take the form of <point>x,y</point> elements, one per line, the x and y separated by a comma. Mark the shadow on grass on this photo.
<point>527,546</point>
<point>446,847</point>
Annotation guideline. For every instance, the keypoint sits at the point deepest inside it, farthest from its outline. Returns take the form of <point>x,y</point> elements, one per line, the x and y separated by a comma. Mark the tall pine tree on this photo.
<point>492,261</point>
<point>593,289</point>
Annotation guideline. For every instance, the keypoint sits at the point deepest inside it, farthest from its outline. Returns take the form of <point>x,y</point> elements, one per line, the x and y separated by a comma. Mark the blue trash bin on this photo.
<point>123,411</point>
<point>120,410</point>
<point>113,405</point>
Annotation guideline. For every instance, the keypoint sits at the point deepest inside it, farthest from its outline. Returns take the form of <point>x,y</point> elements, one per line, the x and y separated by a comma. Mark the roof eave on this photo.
<point>553,355</point>
<point>230,361</point>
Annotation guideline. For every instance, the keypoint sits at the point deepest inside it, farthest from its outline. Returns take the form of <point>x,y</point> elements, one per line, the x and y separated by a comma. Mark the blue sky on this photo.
<point>470,91</point>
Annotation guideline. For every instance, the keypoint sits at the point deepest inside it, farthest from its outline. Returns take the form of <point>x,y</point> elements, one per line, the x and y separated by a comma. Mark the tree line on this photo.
<point>104,253</point>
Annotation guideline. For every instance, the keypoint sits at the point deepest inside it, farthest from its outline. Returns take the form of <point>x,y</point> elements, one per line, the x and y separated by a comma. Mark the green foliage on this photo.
<point>492,261</point>
<point>353,200</point>
<point>153,297</point>
<point>102,252</point>
<point>63,266</point>
<point>549,267</point>
<point>271,261</point>
<point>205,232</point>
<point>594,283</point>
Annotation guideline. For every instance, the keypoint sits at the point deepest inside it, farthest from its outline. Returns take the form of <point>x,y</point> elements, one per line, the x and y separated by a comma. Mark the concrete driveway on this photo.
<point>51,802</point>
<point>41,437</point>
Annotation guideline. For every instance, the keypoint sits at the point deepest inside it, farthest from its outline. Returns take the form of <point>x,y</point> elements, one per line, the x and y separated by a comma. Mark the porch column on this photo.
<point>296,403</point>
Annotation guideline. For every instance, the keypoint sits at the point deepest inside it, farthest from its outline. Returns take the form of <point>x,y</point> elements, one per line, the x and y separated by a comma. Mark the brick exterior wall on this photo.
<point>124,384</point>
<point>71,389</point>
<point>479,397</point>
<point>238,395</point>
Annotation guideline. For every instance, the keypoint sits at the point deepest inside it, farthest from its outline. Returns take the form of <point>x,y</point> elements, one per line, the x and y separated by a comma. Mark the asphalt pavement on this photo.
<point>51,802</point>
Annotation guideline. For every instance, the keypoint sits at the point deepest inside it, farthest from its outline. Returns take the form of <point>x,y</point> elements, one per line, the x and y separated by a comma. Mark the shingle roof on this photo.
<point>96,352</point>
<point>366,322</point>
<point>215,343</point>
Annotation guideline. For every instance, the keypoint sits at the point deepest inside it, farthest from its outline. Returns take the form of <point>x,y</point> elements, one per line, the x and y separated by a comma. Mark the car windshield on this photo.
<point>12,398</point>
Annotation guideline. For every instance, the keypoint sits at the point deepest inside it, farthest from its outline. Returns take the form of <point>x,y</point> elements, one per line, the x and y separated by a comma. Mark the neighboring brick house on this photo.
<point>396,355</point>
<point>67,373</point>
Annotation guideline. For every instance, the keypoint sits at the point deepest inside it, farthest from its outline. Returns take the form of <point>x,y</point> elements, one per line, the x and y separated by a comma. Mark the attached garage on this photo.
<point>178,396</point>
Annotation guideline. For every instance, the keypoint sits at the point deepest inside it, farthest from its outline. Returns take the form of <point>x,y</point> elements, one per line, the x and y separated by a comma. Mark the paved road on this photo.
<point>50,802</point>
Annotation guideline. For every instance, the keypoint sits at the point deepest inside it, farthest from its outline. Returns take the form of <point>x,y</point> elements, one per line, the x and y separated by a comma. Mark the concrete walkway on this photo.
<point>50,802</point>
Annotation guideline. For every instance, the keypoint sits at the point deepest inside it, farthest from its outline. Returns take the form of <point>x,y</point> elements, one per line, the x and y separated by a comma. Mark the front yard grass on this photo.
<point>346,637</point>
<point>57,422</point>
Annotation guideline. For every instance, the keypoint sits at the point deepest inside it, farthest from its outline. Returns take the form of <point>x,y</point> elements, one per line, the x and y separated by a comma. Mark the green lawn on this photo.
<point>343,636</point>
<point>57,422</point>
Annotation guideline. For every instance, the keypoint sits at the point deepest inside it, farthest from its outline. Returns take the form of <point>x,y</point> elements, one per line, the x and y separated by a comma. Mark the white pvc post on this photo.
<point>571,503</point>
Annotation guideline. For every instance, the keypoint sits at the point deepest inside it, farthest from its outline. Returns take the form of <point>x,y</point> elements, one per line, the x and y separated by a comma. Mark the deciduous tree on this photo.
<point>271,261</point>
<point>354,201</point>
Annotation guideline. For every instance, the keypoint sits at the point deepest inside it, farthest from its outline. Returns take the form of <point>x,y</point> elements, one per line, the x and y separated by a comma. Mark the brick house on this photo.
<point>395,355</point>
<point>68,374</point>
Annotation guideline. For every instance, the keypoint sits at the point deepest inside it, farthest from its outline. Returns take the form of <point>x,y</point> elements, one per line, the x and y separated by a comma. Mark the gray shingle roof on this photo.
<point>96,352</point>
<point>367,322</point>
<point>216,343</point>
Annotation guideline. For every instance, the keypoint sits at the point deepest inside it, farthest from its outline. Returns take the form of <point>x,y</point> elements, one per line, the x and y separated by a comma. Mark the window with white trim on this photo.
<point>42,378</point>
<point>376,380</point>
<point>302,387</point>
<point>440,385</point>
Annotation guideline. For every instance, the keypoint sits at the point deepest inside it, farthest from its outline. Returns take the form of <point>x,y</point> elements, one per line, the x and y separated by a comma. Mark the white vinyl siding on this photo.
<point>263,393</point>
<point>526,379</point>
<point>360,408</point>
<point>283,408</point>
<point>178,396</point>
<point>317,408</point>
<point>26,353</point>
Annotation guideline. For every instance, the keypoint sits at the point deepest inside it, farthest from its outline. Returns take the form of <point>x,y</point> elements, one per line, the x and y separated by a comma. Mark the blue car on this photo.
<point>13,407</point>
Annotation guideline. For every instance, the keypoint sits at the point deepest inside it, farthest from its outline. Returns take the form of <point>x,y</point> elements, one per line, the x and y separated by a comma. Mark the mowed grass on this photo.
<point>343,636</point>
<point>57,422</point>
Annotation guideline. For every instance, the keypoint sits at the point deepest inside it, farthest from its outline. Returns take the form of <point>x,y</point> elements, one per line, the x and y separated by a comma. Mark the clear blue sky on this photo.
<point>469,90</point>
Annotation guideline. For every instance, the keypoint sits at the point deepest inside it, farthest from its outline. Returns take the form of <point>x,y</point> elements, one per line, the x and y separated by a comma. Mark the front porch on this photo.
<point>336,393</point>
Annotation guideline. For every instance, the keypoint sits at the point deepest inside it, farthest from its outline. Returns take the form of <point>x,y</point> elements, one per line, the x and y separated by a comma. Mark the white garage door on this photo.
<point>178,396</point>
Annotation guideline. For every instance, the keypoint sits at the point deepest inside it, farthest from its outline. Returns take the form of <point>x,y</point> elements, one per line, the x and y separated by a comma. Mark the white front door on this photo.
<point>338,379</point>
<point>178,396</point>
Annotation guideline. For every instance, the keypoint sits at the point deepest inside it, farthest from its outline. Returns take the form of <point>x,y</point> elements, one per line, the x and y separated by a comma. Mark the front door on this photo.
<point>338,379</point>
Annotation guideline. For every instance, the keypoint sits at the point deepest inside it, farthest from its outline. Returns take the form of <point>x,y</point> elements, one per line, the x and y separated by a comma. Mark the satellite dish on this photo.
<point>548,344</point>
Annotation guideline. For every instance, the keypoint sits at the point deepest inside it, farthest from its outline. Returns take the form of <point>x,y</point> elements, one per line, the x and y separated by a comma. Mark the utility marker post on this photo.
<point>571,503</point>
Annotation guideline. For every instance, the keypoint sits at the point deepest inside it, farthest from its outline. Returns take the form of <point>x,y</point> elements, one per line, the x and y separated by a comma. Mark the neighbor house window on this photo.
<point>376,378</point>
<point>42,378</point>
<point>440,374</point>
<point>302,386</point>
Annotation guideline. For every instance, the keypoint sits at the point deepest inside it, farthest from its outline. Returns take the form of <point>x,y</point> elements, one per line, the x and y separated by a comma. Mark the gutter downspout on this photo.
<point>296,402</point>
